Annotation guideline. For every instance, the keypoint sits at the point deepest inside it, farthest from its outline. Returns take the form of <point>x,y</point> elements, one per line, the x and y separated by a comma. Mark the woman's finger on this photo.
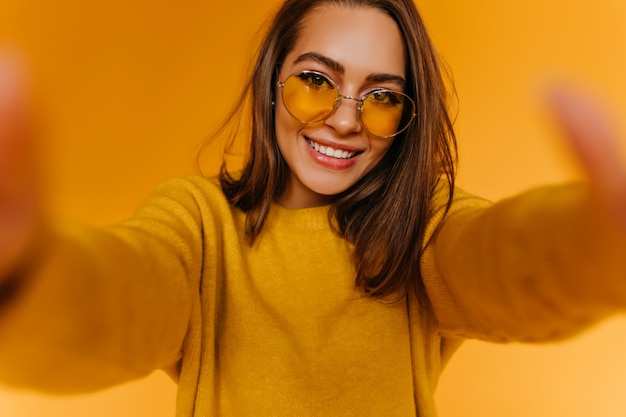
<point>595,141</point>
<point>19,203</point>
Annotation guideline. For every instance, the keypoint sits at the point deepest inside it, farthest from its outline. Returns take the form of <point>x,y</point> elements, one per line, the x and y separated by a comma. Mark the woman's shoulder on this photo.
<point>447,199</point>
<point>190,193</point>
<point>194,185</point>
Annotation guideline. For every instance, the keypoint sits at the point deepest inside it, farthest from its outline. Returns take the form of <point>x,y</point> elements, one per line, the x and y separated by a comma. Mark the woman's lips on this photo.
<point>331,157</point>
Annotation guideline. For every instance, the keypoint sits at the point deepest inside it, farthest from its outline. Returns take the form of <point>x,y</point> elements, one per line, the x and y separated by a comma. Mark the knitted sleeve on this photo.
<point>109,305</point>
<point>539,266</point>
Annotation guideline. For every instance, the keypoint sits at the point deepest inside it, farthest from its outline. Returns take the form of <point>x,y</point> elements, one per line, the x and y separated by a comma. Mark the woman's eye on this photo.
<point>385,97</point>
<point>380,96</point>
<point>315,80</point>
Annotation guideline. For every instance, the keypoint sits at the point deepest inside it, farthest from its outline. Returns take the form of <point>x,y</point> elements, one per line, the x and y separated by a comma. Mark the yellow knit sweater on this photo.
<point>277,329</point>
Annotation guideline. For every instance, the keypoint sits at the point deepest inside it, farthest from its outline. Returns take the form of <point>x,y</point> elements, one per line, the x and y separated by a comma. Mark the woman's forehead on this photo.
<point>359,39</point>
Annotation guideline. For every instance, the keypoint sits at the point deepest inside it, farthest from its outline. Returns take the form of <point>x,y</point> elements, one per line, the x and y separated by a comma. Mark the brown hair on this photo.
<point>384,215</point>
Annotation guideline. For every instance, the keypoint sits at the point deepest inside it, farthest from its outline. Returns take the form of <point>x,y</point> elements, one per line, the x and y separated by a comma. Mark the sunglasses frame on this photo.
<point>337,103</point>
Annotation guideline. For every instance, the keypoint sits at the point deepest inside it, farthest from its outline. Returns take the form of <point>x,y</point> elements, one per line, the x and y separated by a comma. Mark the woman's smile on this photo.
<point>330,151</point>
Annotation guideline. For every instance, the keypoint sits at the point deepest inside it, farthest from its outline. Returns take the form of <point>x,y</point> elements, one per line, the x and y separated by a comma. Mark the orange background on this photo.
<point>128,90</point>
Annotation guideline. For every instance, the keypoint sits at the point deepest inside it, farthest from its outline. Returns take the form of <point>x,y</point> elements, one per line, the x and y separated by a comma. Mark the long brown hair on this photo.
<point>384,215</point>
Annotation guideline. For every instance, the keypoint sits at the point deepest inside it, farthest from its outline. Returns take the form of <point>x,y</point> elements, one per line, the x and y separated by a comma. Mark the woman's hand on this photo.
<point>594,140</point>
<point>19,185</point>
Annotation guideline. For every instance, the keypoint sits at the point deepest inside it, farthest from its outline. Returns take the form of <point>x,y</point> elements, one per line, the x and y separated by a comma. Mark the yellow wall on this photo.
<point>130,88</point>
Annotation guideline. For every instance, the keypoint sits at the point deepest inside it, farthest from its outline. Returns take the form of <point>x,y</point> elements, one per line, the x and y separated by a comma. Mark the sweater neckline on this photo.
<point>310,218</point>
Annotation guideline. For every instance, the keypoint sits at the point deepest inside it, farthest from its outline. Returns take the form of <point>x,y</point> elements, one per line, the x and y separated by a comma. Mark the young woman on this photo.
<point>335,274</point>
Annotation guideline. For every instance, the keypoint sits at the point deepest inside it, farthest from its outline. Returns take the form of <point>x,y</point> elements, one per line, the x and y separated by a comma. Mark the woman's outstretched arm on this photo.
<point>544,264</point>
<point>80,308</point>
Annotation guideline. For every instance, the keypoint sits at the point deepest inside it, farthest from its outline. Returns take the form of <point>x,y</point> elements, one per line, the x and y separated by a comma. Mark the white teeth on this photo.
<point>328,151</point>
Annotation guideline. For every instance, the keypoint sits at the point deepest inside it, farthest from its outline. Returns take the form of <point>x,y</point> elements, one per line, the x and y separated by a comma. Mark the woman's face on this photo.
<point>360,50</point>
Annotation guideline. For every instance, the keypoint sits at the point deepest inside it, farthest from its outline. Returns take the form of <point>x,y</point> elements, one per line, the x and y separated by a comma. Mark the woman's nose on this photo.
<point>345,120</point>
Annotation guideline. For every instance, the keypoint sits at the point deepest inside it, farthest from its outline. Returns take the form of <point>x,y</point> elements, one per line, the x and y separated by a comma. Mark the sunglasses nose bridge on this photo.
<point>359,102</point>
<point>349,98</point>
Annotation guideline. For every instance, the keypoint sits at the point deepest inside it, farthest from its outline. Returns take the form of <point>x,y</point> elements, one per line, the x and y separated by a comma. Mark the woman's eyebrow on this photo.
<point>386,78</point>
<point>339,68</point>
<point>329,62</point>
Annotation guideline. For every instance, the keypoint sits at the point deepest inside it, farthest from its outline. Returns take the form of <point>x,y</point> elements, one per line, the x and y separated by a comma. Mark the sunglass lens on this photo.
<point>382,112</point>
<point>309,97</point>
